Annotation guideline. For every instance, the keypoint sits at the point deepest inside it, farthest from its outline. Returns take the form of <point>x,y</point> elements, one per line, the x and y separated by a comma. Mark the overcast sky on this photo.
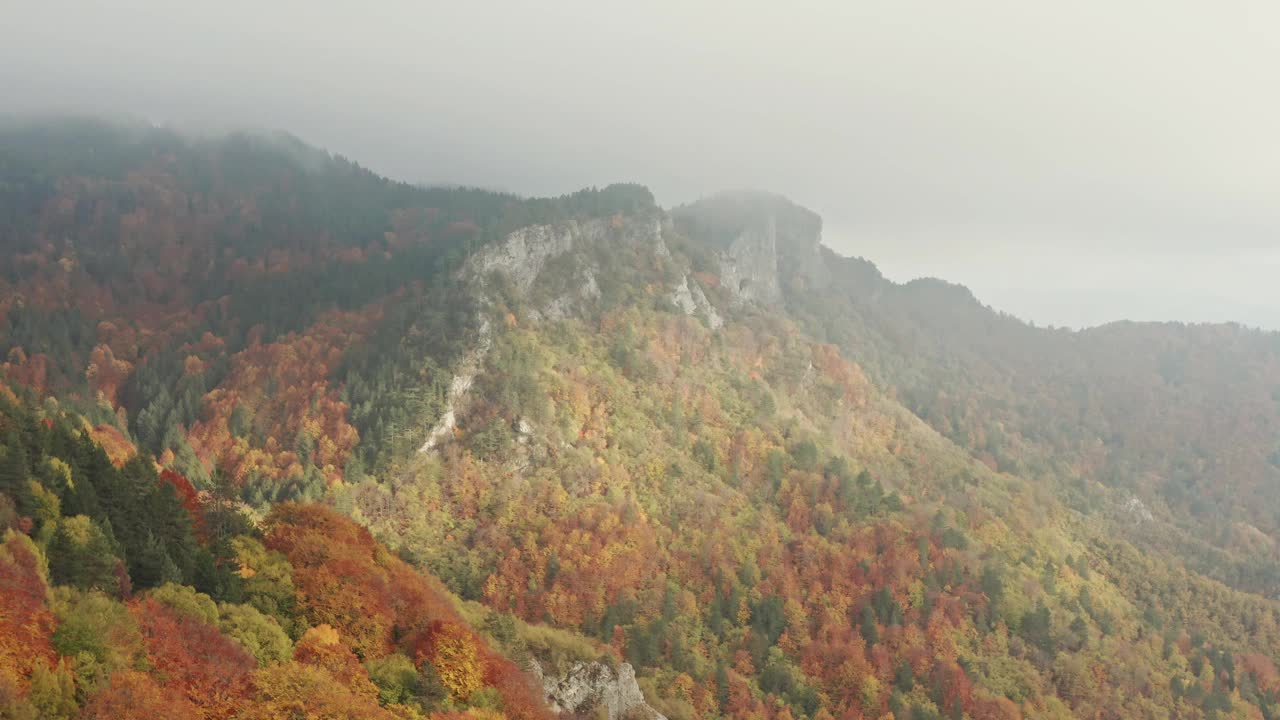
<point>1071,162</point>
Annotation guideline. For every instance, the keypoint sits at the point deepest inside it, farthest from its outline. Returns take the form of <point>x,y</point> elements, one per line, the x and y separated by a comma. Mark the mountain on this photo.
<point>1083,308</point>
<point>1179,420</point>
<point>694,444</point>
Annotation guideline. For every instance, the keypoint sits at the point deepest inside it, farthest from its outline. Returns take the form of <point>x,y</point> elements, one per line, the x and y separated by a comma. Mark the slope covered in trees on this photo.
<point>1180,418</point>
<point>128,595</point>
<point>187,281</point>
<point>743,512</point>
<point>775,483</point>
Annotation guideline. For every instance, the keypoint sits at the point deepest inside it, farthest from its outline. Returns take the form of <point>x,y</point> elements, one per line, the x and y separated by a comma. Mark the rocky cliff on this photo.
<point>590,687</point>
<point>762,244</point>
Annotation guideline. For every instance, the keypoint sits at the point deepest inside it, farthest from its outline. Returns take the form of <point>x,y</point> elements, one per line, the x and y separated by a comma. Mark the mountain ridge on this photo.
<point>776,483</point>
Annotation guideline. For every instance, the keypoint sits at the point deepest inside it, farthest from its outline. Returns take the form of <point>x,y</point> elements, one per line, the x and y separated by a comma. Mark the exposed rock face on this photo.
<point>564,305</point>
<point>458,388</point>
<point>524,254</point>
<point>800,256</point>
<point>586,687</point>
<point>1137,510</point>
<point>749,268</point>
<point>521,258</point>
<point>765,244</point>
<point>692,301</point>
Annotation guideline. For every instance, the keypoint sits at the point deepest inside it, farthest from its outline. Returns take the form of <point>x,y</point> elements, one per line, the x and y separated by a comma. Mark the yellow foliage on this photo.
<point>457,661</point>
<point>321,635</point>
<point>870,691</point>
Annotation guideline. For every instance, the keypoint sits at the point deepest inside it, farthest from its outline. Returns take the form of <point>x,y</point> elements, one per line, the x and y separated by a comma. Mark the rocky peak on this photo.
<point>761,242</point>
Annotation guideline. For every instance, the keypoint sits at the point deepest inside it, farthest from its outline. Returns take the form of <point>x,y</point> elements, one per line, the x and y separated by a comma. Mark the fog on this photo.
<point>1073,163</point>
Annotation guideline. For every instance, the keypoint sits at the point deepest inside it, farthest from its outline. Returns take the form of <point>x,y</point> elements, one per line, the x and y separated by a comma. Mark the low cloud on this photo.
<point>1004,145</point>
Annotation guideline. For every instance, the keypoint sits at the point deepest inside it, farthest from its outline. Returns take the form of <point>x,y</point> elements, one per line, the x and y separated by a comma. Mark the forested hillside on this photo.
<point>1179,423</point>
<point>776,484</point>
<point>128,594</point>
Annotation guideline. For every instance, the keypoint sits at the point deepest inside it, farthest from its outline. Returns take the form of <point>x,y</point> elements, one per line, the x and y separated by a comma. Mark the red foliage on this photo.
<point>462,227</point>
<point>194,658</point>
<point>345,579</point>
<point>957,688</point>
<point>1263,671</point>
<point>303,403</point>
<point>131,695</point>
<point>190,498</point>
<point>25,623</point>
<point>602,552</point>
<point>30,371</point>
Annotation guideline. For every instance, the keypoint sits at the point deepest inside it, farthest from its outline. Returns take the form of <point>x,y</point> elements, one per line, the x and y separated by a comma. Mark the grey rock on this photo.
<point>690,299</point>
<point>749,268</point>
<point>458,389</point>
<point>588,686</point>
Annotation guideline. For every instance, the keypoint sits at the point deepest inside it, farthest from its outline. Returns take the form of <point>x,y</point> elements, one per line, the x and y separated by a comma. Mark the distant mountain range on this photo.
<point>1091,308</point>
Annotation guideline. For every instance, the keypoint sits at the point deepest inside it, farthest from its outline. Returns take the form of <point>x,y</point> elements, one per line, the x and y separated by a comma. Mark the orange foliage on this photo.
<point>994,709</point>
<point>193,658</point>
<point>295,690</point>
<point>189,496</point>
<point>285,387</point>
<point>106,373</point>
<point>1263,671</point>
<point>846,375</point>
<point>452,649</point>
<point>323,647</point>
<point>193,365</point>
<point>601,552</point>
<point>31,371</point>
<point>707,279</point>
<point>463,227</point>
<point>118,447</point>
<point>25,623</point>
<point>344,579</point>
<point>131,695</point>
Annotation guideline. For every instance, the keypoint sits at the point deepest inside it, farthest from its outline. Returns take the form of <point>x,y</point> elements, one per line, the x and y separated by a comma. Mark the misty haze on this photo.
<point>1042,157</point>
<point>667,361</point>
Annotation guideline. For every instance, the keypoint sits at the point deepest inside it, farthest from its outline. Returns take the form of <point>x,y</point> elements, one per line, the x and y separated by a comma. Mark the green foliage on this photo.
<point>705,454</point>
<point>53,692</point>
<point>1037,629</point>
<point>767,619</point>
<point>267,582</point>
<point>870,628</point>
<point>557,648</point>
<point>396,677</point>
<point>82,554</point>
<point>97,633</point>
<point>46,508</point>
<point>260,634</point>
<point>187,601</point>
<point>804,455</point>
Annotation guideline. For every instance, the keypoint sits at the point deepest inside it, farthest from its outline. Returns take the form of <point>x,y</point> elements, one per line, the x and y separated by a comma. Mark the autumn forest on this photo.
<point>282,438</point>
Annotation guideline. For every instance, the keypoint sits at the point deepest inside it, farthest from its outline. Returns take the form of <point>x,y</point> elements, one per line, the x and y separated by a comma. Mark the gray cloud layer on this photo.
<point>1072,162</point>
